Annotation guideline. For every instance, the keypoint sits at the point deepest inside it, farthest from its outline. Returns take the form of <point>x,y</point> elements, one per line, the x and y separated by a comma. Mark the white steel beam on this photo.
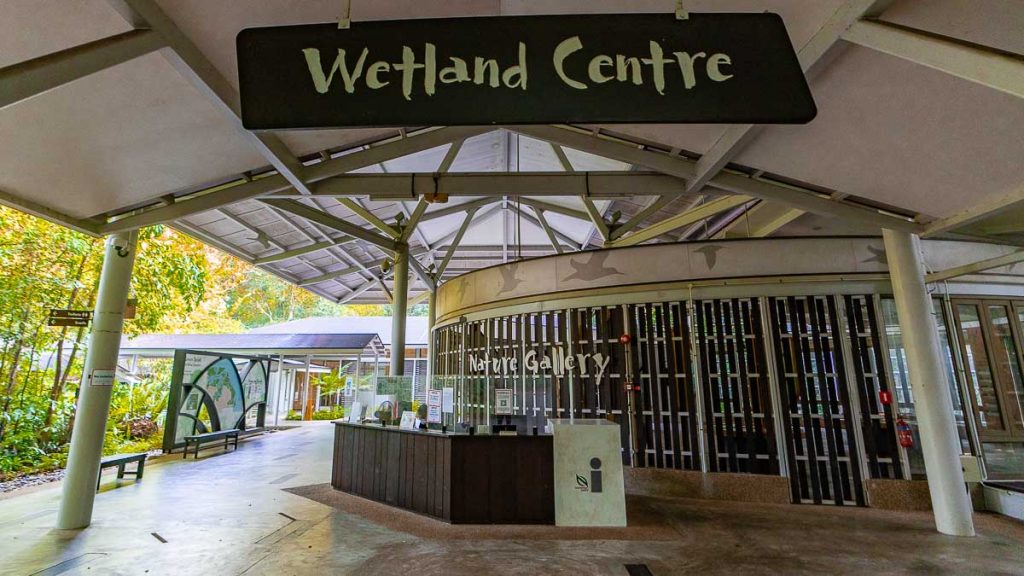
<point>974,267</point>
<point>30,78</point>
<point>414,220</point>
<point>422,273</point>
<point>808,200</point>
<point>393,186</point>
<point>656,204</point>
<point>760,221</point>
<point>195,67</point>
<point>455,242</point>
<point>301,251</point>
<point>450,155</point>
<point>355,293</point>
<point>596,217</point>
<point>328,276</point>
<point>736,137</point>
<point>684,219</point>
<point>558,233</point>
<point>556,208</point>
<point>359,210</point>
<point>547,229</point>
<point>320,217</point>
<point>988,209</point>
<point>91,228</point>
<point>986,66</point>
<point>458,208</point>
<point>241,189</point>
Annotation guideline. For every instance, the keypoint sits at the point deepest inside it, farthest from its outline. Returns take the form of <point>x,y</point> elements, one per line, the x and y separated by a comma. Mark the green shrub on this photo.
<point>293,415</point>
<point>329,413</point>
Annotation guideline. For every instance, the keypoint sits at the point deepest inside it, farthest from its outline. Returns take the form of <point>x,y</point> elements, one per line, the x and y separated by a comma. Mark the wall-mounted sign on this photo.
<point>101,377</point>
<point>63,317</point>
<point>556,362</point>
<point>613,68</point>
<point>503,401</point>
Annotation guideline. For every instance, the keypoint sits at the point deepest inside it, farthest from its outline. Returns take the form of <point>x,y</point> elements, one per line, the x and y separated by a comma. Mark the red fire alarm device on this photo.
<point>625,339</point>
<point>885,397</point>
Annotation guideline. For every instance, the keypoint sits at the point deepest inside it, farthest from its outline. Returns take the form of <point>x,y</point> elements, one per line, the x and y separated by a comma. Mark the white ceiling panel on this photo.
<point>33,28</point>
<point>902,134</point>
<point>118,137</point>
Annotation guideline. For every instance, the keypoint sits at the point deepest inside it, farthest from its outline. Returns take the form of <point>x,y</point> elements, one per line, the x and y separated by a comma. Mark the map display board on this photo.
<point>212,391</point>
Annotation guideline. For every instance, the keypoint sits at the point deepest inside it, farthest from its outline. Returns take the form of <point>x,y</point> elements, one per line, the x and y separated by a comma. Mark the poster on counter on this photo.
<point>433,414</point>
<point>408,420</point>
<point>434,398</point>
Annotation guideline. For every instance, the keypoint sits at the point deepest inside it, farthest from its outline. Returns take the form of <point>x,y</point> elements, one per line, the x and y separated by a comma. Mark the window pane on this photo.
<point>1006,363</point>
<point>901,380</point>
<point>977,365</point>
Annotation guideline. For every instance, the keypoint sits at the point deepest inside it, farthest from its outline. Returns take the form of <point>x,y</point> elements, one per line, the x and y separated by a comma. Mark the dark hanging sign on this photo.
<point>64,317</point>
<point>711,68</point>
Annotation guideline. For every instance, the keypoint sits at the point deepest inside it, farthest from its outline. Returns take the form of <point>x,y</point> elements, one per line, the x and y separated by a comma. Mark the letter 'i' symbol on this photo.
<point>595,474</point>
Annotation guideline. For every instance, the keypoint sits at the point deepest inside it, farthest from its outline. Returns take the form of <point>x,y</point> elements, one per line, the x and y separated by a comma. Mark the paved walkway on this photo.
<point>227,514</point>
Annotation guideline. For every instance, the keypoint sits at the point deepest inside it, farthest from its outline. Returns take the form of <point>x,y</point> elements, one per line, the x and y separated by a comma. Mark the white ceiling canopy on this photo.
<point>123,113</point>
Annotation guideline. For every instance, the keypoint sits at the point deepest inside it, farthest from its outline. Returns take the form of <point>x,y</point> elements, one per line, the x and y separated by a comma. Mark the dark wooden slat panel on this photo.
<point>468,479</point>
<point>394,461</point>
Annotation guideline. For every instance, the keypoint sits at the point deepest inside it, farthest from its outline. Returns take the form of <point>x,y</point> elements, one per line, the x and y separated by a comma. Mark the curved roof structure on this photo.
<point>122,113</point>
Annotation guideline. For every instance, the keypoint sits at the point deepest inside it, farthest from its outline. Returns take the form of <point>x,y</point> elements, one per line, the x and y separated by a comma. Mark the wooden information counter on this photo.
<point>458,478</point>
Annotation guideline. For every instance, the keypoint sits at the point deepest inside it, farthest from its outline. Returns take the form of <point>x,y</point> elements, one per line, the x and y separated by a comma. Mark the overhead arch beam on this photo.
<point>759,221</point>
<point>975,267</point>
<point>330,221</point>
<point>33,77</point>
<point>979,64</point>
<point>805,199</point>
<point>242,190</point>
<point>736,137</point>
<point>193,65</point>
<point>679,220</point>
<point>394,186</point>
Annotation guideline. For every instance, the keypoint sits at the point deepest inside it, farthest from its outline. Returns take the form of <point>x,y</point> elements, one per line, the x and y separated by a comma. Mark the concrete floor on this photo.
<point>227,514</point>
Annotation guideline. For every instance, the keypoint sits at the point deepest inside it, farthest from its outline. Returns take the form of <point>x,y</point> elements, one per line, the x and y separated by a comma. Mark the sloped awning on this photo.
<point>123,113</point>
<point>256,344</point>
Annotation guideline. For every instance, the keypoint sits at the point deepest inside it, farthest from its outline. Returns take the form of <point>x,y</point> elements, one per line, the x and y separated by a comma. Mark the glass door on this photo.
<point>990,343</point>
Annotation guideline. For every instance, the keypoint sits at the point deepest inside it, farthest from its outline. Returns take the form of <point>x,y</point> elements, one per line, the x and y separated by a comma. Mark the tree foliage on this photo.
<point>181,286</point>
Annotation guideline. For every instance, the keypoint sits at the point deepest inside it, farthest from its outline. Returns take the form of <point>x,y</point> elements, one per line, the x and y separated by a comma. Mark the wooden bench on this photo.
<point>200,439</point>
<point>120,460</point>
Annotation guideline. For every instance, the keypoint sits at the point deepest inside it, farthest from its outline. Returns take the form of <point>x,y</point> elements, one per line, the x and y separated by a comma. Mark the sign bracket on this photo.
<point>345,22</point>
<point>681,13</point>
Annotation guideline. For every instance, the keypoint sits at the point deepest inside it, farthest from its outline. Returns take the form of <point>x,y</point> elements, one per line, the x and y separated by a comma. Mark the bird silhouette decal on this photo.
<point>877,255</point>
<point>461,290</point>
<point>710,253</point>
<point>509,280</point>
<point>592,269</point>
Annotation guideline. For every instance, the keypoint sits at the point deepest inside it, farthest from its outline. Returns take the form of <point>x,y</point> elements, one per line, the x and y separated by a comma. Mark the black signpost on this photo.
<point>60,317</point>
<point>635,68</point>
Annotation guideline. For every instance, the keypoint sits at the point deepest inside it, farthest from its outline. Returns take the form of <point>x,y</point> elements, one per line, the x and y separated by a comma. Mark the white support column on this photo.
<point>400,291</point>
<point>83,467</point>
<point>304,394</point>
<point>280,389</point>
<point>431,319</point>
<point>934,408</point>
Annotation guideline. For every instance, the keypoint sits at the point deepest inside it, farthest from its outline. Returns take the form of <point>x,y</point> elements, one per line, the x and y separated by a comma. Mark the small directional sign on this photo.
<point>61,317</point>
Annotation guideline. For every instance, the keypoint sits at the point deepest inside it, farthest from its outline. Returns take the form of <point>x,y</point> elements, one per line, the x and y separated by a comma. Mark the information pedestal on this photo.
<point>589,488</point>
